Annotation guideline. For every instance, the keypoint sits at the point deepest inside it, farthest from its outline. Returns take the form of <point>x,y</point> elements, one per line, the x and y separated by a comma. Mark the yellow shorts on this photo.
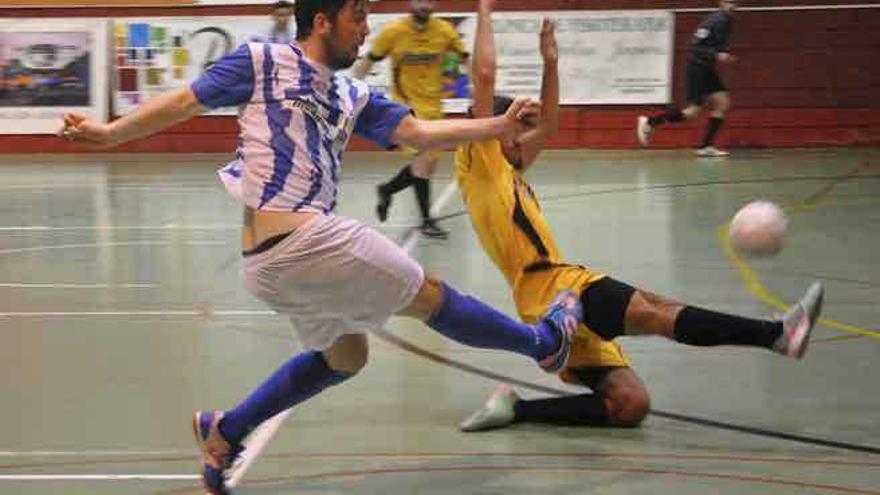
<point>425,112</point>
<point>534,291</point>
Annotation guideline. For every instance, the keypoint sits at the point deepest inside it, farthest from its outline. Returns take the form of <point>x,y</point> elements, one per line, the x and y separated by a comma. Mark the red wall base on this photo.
<point>579,128</point>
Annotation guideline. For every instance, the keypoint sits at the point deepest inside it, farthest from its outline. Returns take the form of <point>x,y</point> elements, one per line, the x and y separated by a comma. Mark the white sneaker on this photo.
<point>798,322</point>
<point>497,412</point>
<point>643,130</point>
<point>711,152</point>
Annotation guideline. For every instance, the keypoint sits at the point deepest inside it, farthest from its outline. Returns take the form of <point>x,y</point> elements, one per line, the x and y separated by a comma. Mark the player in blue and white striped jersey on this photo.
<point>332,276</point>
<point>296,124</point>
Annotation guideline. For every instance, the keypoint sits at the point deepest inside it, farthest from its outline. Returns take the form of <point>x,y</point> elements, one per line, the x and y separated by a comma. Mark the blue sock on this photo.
<point>471,322</point>
<point>297,380</point>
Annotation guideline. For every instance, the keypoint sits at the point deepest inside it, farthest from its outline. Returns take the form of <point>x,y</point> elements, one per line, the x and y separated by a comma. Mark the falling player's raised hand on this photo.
<point>549,48</point>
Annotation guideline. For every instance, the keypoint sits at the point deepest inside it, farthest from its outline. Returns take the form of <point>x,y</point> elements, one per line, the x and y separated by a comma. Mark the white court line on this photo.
<point>445,196</point>
<point>55,247</point>
<point>157,312</point>
<point>77,286</point>
<point>259,438</point>
<point>170,226</point>
<point>99,477</point>
<point>91,453</point>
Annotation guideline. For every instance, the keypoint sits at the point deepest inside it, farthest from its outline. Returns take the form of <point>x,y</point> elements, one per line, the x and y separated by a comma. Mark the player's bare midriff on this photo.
<point>260,225</point>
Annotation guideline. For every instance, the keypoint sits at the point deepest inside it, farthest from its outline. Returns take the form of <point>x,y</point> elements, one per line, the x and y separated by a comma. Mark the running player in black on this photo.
<point>704,87</point>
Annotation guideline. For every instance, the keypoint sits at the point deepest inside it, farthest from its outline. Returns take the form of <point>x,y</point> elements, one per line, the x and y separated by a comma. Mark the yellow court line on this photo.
<point>750,279</point>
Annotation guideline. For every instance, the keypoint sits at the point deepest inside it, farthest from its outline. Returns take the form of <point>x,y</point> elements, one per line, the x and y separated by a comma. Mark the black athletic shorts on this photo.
<point>702,80</point>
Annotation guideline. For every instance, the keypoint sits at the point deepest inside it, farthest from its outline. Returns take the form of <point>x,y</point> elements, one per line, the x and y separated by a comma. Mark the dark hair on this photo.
<point>282,4</point>
<point>305,11</point>
<point>500,104</point>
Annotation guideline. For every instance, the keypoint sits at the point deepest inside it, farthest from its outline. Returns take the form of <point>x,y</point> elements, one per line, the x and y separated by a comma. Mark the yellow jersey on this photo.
<point>504,210</point>
<point>417,60</point>
<point>512,229</point>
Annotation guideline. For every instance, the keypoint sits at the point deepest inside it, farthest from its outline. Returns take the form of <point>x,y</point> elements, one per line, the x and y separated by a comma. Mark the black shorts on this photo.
<point>702,80</point>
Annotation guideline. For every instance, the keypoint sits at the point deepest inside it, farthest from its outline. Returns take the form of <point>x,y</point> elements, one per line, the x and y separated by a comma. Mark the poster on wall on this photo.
<point>153,55</point>
<point>49,67</point>
<point>606,57</point>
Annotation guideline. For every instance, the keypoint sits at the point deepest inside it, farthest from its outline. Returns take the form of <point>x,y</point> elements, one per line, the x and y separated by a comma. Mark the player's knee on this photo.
<point>349,354</point>
<point>427,301</point>
<point>605,304</point>
<point>720,105</point>
<point>720,111</point>
<point>627,406</point>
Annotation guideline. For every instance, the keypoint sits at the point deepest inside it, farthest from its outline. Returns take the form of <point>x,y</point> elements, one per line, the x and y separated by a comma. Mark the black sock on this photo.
<point>712,129</point>
<point>423,196</point>
<point>401,181</point>
<point>584,409</point>
<point>672,115</point>
<point>700,327</point>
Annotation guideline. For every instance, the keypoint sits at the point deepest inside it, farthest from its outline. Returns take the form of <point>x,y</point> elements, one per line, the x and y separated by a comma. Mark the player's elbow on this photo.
<point>187,103</point>
<point>412,132</point>
<point>485,75</point>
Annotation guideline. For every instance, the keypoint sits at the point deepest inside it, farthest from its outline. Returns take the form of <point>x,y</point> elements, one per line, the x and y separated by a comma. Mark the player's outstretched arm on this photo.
<point>228,82</point>
<point>533,141</point>
<point>433,134</point>
<point>484,64</point>
<point>156,114</point>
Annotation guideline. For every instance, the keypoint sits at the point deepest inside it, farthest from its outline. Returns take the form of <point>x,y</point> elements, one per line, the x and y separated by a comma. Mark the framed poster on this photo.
<point>49,67</point>
<point>605,57</point>
<point>154,55</point>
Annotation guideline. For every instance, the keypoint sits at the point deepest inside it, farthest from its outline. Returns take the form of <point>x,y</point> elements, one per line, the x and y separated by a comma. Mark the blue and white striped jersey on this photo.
<point>296,119</point>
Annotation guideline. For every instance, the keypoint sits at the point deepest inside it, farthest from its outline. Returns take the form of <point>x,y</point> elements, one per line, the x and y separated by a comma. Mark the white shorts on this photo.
<point>334,276</point>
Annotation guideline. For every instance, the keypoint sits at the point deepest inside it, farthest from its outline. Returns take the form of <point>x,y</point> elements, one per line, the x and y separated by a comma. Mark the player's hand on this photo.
<point>487,4</point>
<point>524,110</point>
<point>522,116</point>
<point>726,58</point>
<point>549,48</point>
<point>79,129</point>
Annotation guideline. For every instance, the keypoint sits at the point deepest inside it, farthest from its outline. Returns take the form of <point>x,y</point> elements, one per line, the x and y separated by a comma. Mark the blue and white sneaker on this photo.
<point>564,315</point>
<point>217,455</point>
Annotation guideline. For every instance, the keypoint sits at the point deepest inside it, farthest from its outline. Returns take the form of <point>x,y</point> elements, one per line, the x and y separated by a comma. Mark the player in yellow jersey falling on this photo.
<point>417,45</point>
<point>512,230</point>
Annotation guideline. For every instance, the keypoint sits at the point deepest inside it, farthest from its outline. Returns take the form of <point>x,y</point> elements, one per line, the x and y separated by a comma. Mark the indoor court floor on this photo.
<point>122,310</point>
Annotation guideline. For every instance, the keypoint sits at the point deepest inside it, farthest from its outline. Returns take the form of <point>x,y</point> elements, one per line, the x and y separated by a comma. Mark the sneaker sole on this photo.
<point>641,136</point>
<point>812,309</point>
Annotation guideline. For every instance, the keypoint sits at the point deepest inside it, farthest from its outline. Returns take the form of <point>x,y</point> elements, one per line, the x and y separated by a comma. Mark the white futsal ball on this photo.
<point>758,229</point>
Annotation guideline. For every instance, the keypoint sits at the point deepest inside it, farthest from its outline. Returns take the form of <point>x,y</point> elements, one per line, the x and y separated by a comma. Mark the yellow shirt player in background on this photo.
<point>513,231</point>
<point>417,45</point>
